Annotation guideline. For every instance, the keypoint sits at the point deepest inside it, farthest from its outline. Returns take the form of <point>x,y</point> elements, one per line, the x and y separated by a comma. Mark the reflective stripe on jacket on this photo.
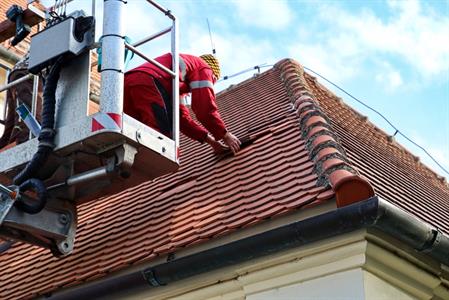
<point>196,78</point>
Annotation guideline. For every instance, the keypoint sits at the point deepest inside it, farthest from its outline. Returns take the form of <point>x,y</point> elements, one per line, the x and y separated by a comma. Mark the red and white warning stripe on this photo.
<point>109,121</point>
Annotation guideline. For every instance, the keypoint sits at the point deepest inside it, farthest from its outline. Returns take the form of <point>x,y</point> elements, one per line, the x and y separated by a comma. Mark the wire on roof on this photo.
<point>258,67</point>
<point>397,131</point>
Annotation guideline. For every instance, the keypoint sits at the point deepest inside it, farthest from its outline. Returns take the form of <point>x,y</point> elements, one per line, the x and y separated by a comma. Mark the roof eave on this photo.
<point>371,213</point>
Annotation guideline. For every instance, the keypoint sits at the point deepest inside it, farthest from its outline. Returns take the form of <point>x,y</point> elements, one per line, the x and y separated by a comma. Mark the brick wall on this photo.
<point>22,47</point>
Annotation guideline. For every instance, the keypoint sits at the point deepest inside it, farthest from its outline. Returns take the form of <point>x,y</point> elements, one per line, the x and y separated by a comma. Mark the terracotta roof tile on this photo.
<point>304,146</point>
<point>393,171</point>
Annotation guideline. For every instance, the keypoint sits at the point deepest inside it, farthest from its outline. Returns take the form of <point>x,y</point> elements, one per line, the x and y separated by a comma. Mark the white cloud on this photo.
<point>267,14</point>
<point>394,79</point>
<point>331,64</point>
<point>235,52</point>
<point>389,77</point>
<point>412,35</point>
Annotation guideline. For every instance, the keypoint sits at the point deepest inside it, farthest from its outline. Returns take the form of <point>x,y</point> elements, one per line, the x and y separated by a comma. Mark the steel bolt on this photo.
<point>63,219</point>
<point>163,149</point>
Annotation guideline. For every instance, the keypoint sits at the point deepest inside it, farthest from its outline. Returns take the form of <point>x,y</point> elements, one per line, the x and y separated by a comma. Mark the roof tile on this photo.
<point>289,164</point>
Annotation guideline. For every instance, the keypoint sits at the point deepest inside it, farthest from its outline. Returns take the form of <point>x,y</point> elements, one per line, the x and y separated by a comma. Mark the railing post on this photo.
<point>113,55</point>
<point>175,57</point>
<point>34,99</point>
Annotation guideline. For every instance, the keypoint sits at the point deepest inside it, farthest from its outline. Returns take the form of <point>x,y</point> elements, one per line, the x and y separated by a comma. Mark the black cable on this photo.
<point>35,205</point>
<point>47,134</point>
<point>25,179</point>
<point>6,245</point>
<point>397,131</point>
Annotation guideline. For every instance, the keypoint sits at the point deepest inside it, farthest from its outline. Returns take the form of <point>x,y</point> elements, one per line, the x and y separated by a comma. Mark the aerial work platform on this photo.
<point>94,155</point>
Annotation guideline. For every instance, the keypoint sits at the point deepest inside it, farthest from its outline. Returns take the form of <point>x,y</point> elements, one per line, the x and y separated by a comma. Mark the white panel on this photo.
<point>379,289</point>
<point>343,285</point>
<point>72,93</point>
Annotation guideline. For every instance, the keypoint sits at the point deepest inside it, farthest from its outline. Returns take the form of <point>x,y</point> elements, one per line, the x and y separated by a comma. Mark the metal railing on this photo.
<point>15,82</point>
<point>175,63</point>
<point>34,94</point>
<point>113,49</point>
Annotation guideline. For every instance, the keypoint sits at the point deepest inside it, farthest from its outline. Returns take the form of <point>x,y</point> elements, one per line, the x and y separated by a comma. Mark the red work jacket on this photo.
<point>196,78</point>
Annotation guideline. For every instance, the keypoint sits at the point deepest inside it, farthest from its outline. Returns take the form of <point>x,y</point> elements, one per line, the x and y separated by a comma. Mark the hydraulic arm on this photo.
<point>80,155</point>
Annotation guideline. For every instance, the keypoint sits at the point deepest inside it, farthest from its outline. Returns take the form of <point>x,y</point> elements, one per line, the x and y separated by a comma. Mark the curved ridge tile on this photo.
<point>322,143</point>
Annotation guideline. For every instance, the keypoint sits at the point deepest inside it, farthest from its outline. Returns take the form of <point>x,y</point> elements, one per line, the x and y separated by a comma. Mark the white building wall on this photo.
<point>348,267</point>
<point>341,286</point>
<point>379,289</point>
<point>347,285</point>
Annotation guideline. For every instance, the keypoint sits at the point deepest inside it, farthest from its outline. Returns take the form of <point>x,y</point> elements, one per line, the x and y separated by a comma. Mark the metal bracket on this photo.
<point>69,220</point>
<point>5,205</point>
<point>125,155</point>
<point>53,227</point>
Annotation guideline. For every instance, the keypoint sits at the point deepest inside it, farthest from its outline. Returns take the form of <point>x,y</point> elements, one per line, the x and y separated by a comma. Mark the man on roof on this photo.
<point>148,94</point>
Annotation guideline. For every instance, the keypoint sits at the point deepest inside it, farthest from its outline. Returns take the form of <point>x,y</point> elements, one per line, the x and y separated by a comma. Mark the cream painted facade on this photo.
<point>354,266</point>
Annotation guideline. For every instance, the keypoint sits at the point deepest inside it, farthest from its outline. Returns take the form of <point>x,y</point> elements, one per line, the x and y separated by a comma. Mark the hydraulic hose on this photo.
<point>33,206</point>
<point>47,134</point>
<point>45,147</point>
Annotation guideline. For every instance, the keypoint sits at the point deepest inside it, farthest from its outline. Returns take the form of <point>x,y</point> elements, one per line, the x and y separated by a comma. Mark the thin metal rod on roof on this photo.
<point>210,36</point>
<point>397,131</point>
<point>258,67</point>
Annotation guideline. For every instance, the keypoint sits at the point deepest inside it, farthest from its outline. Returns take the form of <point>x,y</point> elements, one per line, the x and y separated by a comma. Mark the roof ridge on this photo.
<point>323,145</point>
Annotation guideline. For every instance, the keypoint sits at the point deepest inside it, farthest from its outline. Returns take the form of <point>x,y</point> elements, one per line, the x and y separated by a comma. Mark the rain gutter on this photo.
<point>372,213</point>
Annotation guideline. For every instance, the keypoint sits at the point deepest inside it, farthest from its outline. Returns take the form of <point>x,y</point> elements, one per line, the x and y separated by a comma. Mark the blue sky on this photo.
<point>393,55</point>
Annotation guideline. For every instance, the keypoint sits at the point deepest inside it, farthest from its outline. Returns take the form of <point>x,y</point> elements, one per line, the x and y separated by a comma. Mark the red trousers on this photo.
<point>144,102</point>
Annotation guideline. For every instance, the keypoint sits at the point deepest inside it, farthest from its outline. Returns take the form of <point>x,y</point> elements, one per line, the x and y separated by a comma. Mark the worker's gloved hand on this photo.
<point>217,146</point>
<point>232,142</point>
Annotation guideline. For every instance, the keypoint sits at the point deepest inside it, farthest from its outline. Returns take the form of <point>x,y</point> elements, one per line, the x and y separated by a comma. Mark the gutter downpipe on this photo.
<point>371,213</point>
